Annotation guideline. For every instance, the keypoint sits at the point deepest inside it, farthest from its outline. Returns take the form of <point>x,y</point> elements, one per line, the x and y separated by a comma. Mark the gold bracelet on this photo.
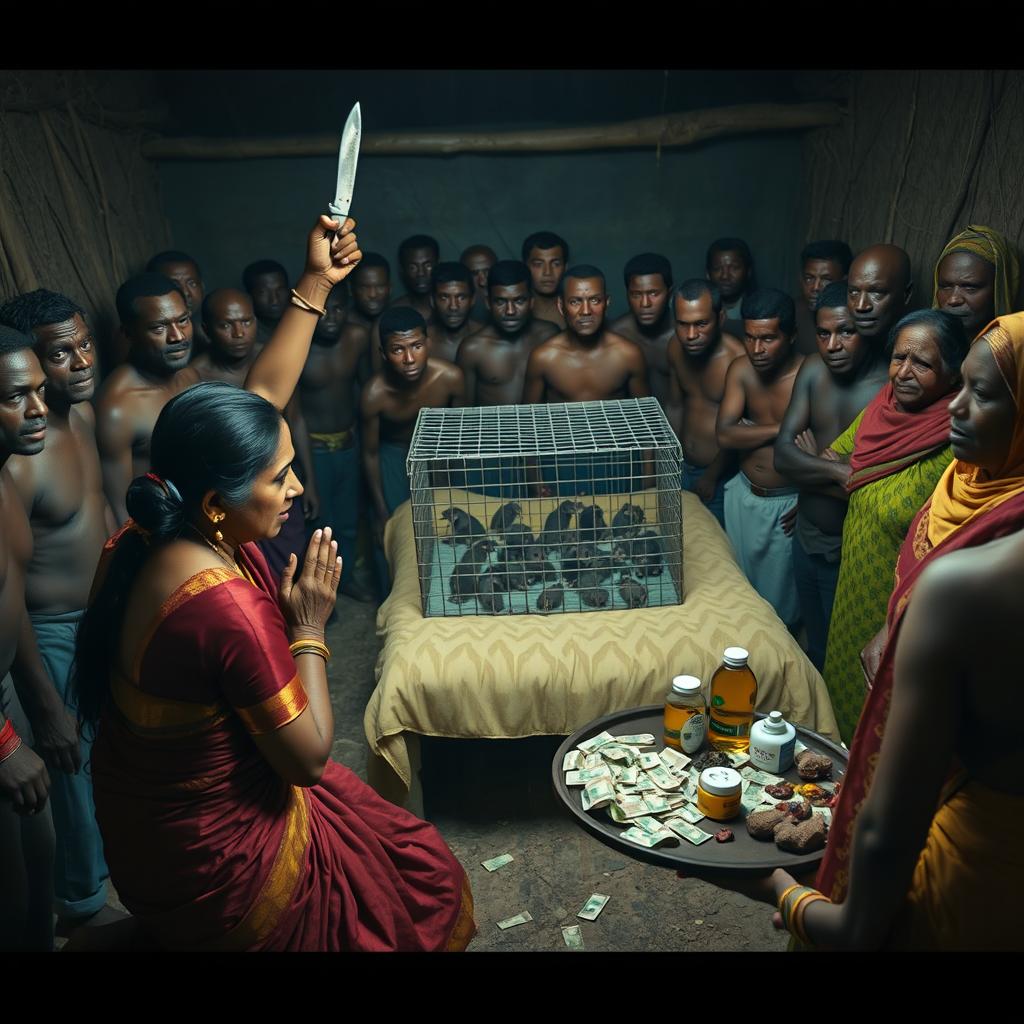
<point>785,893</point>
<point>303,303</point>
<point>790,898</point>
<point>798,920</point>
<point>302,646</point>
<point>795,909</point>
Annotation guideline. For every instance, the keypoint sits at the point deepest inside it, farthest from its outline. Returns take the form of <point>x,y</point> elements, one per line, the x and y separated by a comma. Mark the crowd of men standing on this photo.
<point>756,385</point>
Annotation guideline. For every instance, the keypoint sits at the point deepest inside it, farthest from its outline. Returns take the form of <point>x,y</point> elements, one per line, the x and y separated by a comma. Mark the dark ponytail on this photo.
<point>212,437</point>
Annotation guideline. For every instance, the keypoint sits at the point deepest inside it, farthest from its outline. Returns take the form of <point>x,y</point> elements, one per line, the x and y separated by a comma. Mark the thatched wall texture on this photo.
<point>920,155</point>
<point>79,205</point>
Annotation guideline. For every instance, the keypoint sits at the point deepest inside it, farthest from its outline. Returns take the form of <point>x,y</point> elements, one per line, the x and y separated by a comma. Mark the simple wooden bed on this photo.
<point>507,677</point>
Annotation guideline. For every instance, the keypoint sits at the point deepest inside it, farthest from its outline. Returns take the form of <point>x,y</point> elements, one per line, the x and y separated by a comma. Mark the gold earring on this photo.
<point>216,518</point>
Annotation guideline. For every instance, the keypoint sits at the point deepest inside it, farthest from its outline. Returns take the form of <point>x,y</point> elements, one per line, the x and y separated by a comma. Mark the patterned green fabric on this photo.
<point>876,524</point>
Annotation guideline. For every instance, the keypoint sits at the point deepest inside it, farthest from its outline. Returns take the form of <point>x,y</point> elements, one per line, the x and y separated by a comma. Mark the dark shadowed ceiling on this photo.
<point>287,102</point>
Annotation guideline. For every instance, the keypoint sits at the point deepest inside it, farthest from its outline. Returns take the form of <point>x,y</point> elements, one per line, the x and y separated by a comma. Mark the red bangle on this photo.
<point>9,741</point>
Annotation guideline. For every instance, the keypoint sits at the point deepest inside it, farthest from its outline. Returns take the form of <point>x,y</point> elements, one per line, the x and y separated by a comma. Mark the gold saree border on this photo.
<point>154,716</point>
<point>205,579</point>
<point>277,893</point>
<point>276,711</point>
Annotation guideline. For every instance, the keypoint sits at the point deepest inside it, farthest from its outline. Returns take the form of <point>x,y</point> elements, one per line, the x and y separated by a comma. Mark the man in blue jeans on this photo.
<point>338,364</point>
<point>831,388</point>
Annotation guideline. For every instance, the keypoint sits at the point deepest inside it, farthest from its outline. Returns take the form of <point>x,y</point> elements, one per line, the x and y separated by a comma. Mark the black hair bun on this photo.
<point>155,508</point>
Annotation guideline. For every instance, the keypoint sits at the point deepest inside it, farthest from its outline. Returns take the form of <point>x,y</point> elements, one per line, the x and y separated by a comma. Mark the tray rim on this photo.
<point>663,858</point>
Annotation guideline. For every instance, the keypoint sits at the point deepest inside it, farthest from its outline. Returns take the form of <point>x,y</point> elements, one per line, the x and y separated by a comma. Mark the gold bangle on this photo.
<point>792,896</point>
<point>302,646</point>
<point>303,303</point>
<point>785,893</point>
<point>795,910</point>
<point>798,920</point>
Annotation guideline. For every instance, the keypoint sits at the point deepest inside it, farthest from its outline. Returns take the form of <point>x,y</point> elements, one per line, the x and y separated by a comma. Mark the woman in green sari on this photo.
<point>895,452</point>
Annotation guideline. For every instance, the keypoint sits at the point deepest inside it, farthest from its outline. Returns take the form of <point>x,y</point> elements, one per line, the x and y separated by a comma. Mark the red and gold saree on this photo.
<point>207,845</point>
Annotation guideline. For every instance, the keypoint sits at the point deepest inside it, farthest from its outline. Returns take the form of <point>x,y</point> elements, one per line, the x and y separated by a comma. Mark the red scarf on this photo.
<point>890,439</point>
<point>915,556</point>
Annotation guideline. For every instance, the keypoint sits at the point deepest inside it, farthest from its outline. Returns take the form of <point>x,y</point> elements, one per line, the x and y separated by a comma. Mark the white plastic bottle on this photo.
<point>772,743</point>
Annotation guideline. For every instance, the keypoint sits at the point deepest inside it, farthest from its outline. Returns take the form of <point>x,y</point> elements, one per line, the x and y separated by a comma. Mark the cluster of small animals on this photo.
<point>576,549</point>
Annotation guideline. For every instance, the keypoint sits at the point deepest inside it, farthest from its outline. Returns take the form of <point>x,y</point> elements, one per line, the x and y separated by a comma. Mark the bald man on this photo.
<point>230,323</point>
<point>878,293</point>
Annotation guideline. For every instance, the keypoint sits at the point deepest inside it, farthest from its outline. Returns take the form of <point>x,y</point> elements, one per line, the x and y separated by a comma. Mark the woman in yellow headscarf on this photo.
<point>976,277</point>
<point>942,722</point>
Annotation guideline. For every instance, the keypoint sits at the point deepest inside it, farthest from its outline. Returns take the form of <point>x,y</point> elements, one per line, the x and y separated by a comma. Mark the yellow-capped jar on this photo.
<point>718,793</point>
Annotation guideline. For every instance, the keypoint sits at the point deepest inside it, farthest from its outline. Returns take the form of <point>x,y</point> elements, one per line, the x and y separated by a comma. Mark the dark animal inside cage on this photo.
<point>605,533</point>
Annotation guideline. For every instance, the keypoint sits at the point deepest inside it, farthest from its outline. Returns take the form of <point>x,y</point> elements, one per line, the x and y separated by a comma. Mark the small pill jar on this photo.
<point>718,793</point>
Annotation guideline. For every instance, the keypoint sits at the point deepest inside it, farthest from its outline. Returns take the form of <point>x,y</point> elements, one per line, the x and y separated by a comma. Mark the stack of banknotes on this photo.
<point>653,794</point>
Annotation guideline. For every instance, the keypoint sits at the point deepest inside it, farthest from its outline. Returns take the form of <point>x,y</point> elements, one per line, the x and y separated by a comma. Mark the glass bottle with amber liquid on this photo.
<point>732,697</point>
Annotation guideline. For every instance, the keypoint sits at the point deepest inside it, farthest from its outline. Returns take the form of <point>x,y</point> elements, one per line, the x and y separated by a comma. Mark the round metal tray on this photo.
<point>744,855</point>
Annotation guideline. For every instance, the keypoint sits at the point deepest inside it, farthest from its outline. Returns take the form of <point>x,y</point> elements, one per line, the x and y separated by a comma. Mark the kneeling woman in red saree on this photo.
<point>225,824</point>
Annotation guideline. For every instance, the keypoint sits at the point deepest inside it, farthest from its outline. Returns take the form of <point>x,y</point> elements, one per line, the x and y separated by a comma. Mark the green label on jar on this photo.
<point>729,730</point>
<point>718,701</point>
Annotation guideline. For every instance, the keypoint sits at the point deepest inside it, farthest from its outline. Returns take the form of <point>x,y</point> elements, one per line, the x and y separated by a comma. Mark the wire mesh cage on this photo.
<point>522,509</point>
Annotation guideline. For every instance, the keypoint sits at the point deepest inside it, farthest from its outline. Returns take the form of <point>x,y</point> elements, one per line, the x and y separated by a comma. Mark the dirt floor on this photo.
<point>490,797</point>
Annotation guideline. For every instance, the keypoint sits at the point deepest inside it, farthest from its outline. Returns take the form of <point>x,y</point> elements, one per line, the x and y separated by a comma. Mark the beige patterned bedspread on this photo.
<point>505,677</point>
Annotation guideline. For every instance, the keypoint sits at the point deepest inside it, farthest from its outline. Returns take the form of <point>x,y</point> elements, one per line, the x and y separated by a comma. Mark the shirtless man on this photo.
<point>831,388</point>
<point>26,828</point>
<point>494,359</point>
<point>411,380</point>
<point>156,323</point>
<point>370,286</point>
<point>266,281</point>
<point>821,264</point>
<point>494,362</point>
<point>699,355</point>
<point>230,323</point>
<point>478,260</point>
<point>586,362</point>
<point>233,329</point>
<point>730,266</point>
<point>546,255</point>
<point>417,257</point>
<point>649,322</point>
<point>451,298</point>
<point>337,364</point>
<point>180,267</point>
<point>758,387</point>
<point>878,291</point>
<point>62,492</point>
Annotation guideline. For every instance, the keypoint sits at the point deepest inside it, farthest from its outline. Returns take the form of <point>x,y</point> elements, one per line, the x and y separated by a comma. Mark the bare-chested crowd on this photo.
<point>756,384</point>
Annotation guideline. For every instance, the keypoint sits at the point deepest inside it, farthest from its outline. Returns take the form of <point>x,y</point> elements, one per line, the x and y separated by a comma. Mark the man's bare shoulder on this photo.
<point>623,324</point>
<point>185,379</point>
<point>83,416</point>
<point>624,346</point>
<point>733,345</point>
<point>355,335</point>
<point>552,346</point>
<point>373,393</point>
<point>443,370</point>
<point>545,329</point>
<point>120,381</point>
<point>202,364</point>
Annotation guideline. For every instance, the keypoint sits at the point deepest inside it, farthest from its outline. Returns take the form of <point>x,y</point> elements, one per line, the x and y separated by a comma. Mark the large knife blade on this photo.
<point>348,159</point>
